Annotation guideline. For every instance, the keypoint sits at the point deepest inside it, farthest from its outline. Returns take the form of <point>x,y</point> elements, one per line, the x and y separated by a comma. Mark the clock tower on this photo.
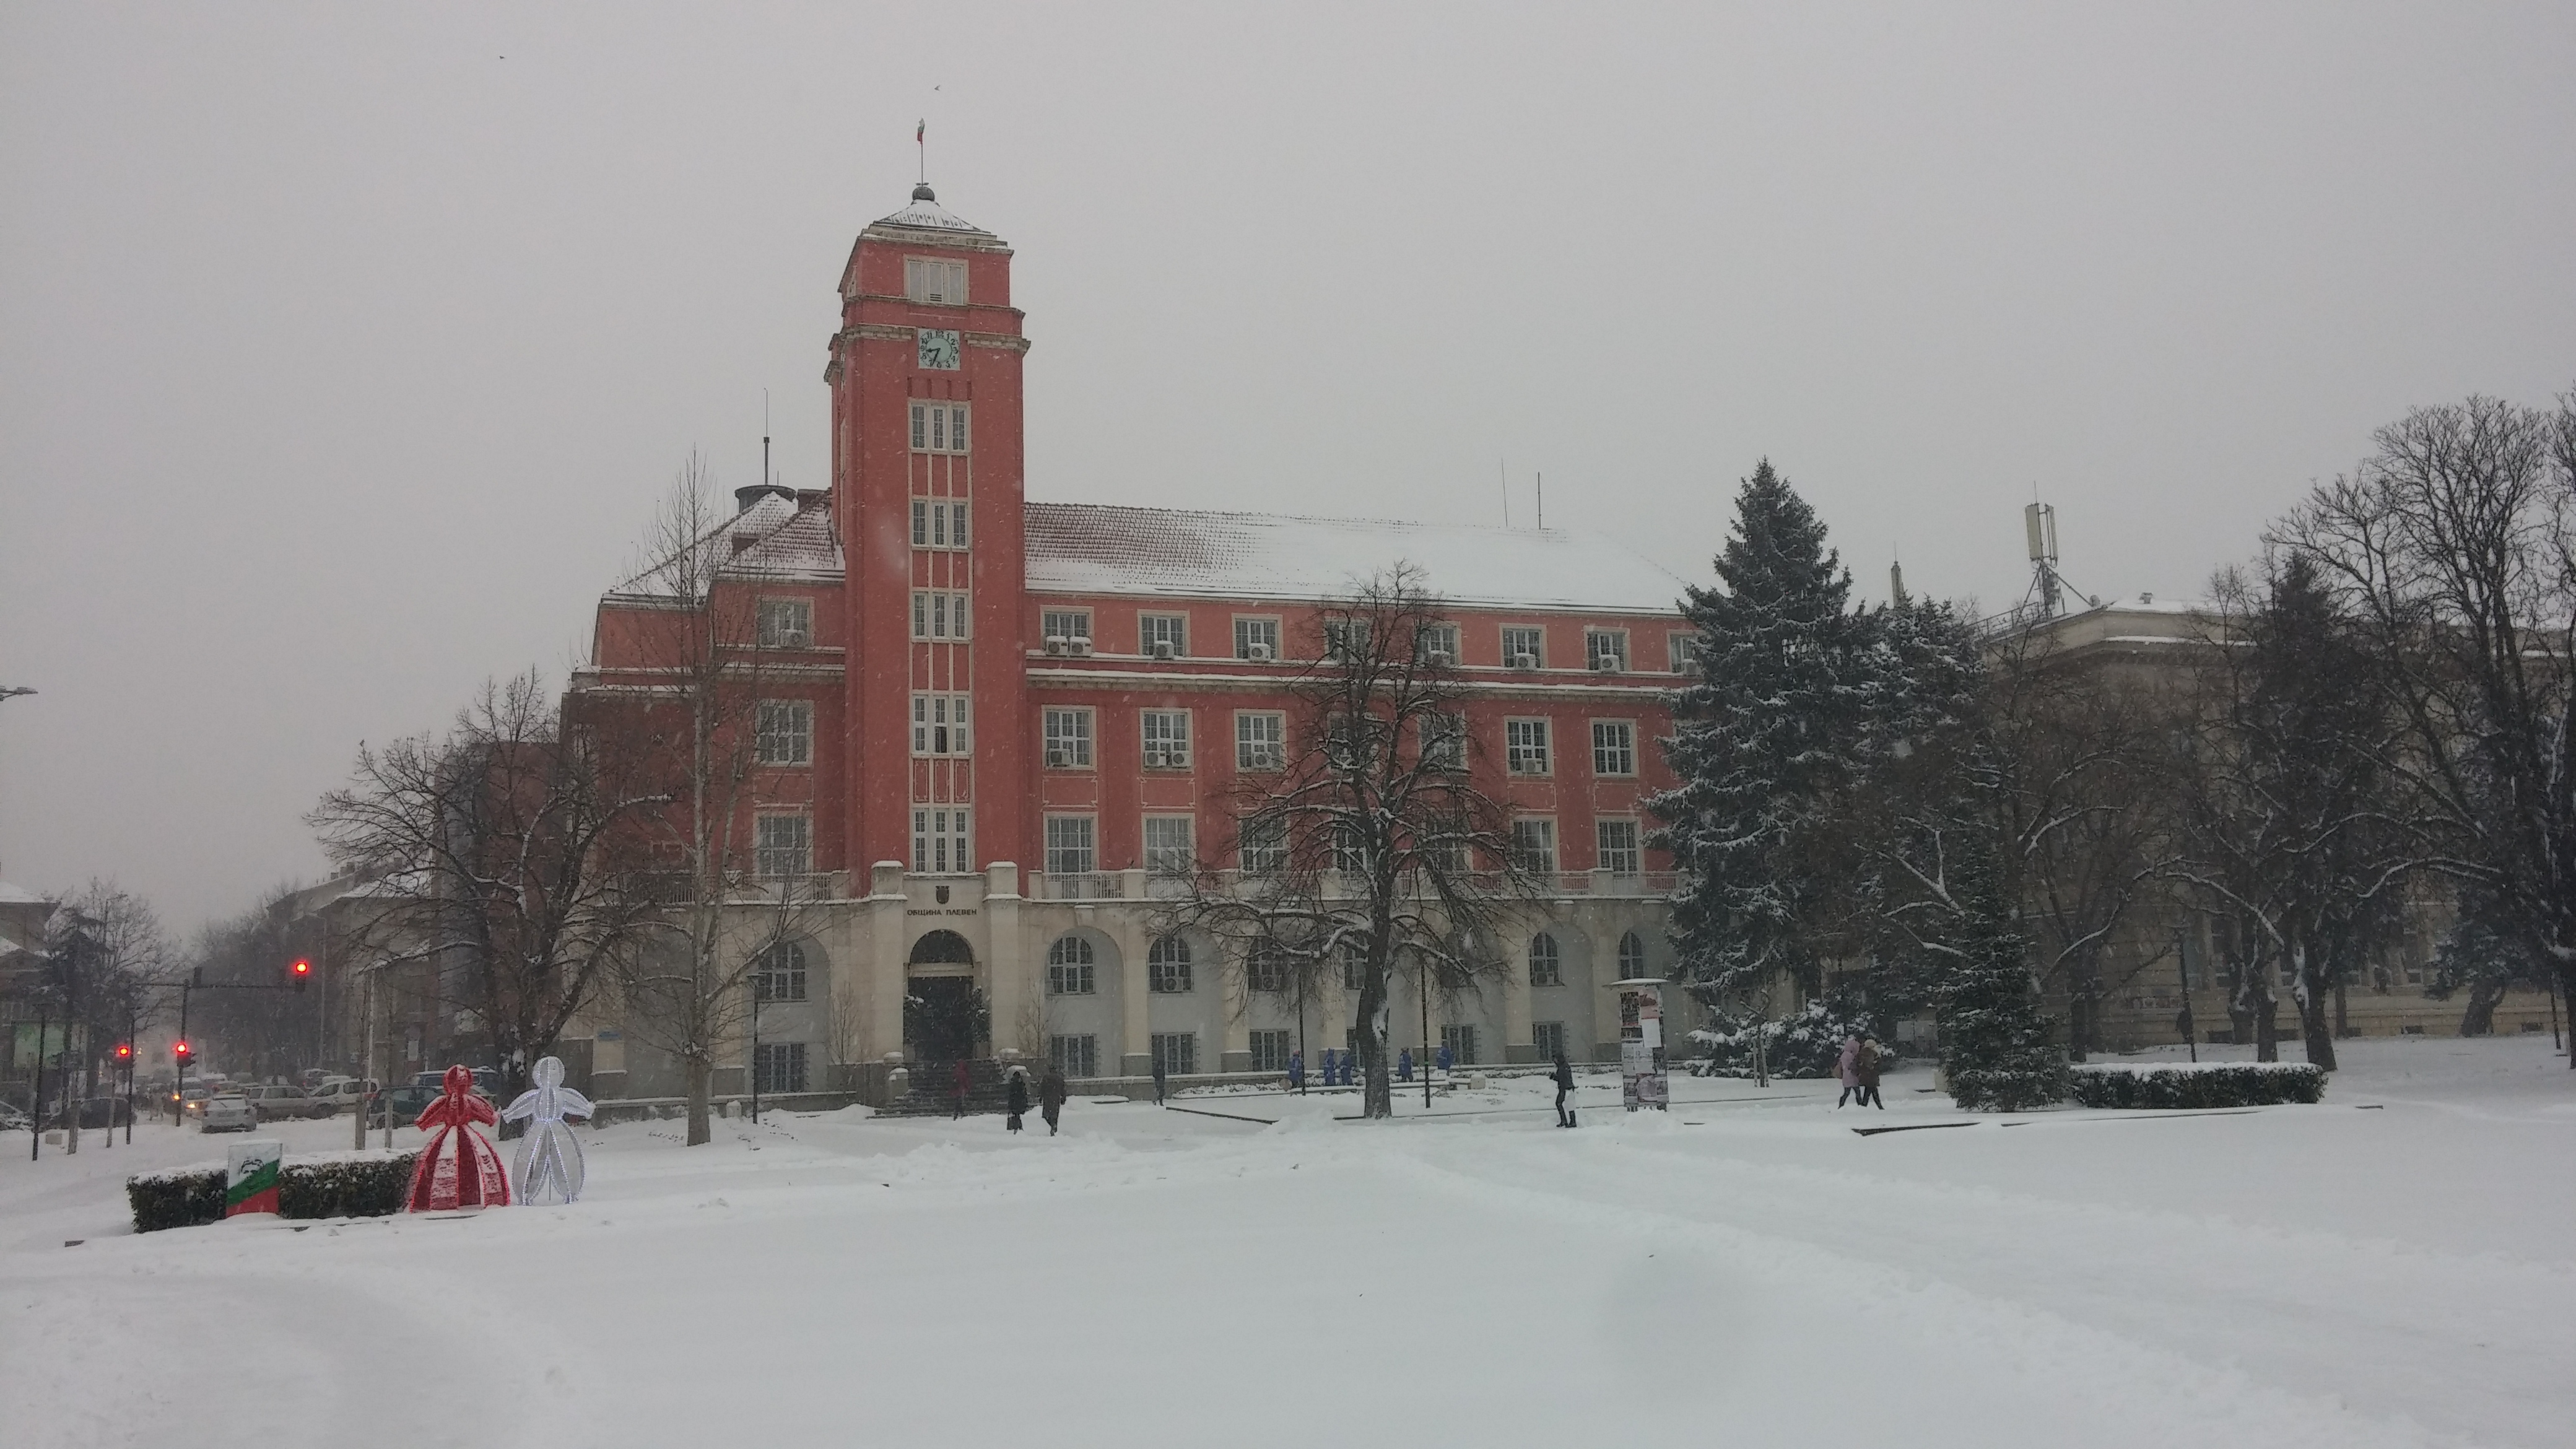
<point>927,490</point>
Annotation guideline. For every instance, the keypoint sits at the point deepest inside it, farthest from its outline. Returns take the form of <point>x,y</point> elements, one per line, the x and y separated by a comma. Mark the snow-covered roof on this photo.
<point>924,213</point>
<point>775,538</point>
<point>1092,548</point>
<point>11,895</point>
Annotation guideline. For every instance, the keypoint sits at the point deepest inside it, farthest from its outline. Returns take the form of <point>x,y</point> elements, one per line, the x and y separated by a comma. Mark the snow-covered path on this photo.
<point>1745,1270</point>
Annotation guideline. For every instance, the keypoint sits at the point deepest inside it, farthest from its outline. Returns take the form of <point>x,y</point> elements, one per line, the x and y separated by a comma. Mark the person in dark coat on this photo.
<point>1332,1068</point>
<point>1162,1080</point>
<point>964,1080</point>
<point>1404,1065</point>
<point>1051,1096</point>
<point>1446,1059</point>
<point>1564,1090</point>
<point>1296,1071</point>
<point>1865,1066</point>
<point>1019,1098</point>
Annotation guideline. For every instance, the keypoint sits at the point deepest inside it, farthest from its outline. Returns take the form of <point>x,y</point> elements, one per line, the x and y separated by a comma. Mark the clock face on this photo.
<point>938,349</point>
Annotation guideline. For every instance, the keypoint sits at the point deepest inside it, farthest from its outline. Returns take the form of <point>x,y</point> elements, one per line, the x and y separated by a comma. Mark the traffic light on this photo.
<point>303,971</point>
<point>180,1050</point>
<point>125,1051</point>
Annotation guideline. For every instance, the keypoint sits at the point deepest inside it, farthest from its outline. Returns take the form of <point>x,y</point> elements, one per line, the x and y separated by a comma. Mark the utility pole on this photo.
<point>2182,964</point>
<point>36,1132</point>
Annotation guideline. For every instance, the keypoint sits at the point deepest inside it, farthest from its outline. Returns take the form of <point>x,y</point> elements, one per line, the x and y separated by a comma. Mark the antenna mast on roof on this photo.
<point>764,437</point>
<point>1503,473</point>
<point>2047,586</point>
<point>1542,500</point>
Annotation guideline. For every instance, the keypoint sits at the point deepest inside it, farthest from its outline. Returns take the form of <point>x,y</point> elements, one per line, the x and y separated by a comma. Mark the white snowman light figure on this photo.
<point>548,1171</point>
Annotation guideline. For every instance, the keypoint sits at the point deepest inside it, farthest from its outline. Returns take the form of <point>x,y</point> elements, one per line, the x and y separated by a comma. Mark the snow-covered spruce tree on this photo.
<point>1995,1041</point>
<point>1762,745</point>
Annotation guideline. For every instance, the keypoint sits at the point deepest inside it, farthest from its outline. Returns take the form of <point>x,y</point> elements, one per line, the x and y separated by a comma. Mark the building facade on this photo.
<point>986,725</point>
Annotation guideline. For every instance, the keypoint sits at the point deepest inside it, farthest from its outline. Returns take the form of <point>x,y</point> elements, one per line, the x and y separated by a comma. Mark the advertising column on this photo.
<point>1642,1082</point>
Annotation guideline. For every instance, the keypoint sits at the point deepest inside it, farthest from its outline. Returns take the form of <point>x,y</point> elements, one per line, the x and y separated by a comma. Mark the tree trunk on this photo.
<point>2313,1025</point>
<point>702,1081</point>
<point>2479,1018</point>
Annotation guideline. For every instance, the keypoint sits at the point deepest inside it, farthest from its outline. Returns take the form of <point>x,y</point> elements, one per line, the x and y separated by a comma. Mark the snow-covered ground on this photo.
<point>2392,1267</point>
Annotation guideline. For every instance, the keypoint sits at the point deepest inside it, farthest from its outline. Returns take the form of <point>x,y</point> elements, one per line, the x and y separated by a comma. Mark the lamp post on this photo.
<point>2182,964</point>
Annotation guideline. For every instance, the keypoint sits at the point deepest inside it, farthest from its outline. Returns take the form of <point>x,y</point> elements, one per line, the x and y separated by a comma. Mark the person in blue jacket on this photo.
<point>1296,1071</point>
<point>1332,1068</point>
<point>1404,1065</point>
<point>1445,1058</point>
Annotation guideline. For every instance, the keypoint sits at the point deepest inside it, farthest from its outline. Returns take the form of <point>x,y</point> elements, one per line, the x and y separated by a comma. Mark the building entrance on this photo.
<point>944,1016</point>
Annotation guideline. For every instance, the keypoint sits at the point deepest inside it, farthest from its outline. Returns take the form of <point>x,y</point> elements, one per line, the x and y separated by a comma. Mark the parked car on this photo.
<point>227,1113</point>
<point>408,1102</point>
<point>345,1094</point>
<point>279,1101</point>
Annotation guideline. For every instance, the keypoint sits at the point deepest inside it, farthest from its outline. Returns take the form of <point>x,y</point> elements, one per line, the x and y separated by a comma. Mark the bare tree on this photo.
<point>1366,845</point>
<point>105,950</point>
<point>688,976</point>
<point>500,846</point>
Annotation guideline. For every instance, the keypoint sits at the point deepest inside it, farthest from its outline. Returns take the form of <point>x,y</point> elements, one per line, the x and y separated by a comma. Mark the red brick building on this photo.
<point>980,714</point>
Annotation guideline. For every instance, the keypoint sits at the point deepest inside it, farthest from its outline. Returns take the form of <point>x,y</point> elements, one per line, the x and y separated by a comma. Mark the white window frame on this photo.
<point>1440,638</point>
<point>1060,624</point>
<point>1346,639</point>
<point>1072,845</point>
<point>1617,855</point>
<point>1066,733</point>
<point>778,973</point>
<point>1260,629</point>
<point>1600,644</point>
<point>941,616</point>
<point>939,427</point>
<point>939,523</point>
<point>1681,652</point>
<point>1444,739</point>
<point>1546,967</point>
<point>1533,634</point>
<point>1165,737</point>
<point>934,281</point>
<point>1171,845</point>
<point>786,623</point>
<point>1261,846</point>
<point>1614,747</point>
<point>1158,628</point>
<point>1534,843</point>
<point>1074,971</point>
<point>1260,740</point>
<point>781,841</point>
<point>940,728</point>
<point>941,839</point>
<point>783,734</point>
<point>1527,746</point>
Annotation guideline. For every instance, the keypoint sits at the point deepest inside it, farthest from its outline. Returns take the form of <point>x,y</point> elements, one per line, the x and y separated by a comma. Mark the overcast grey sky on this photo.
<point>344,349</point>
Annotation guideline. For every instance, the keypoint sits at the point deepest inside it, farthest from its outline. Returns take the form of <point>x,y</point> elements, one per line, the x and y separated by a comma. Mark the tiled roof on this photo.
<point>773,538</point>
<point>1089,548</point>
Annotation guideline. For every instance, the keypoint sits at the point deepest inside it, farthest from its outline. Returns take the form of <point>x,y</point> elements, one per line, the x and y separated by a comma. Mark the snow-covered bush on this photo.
<point>1806,1044</point>
<point>2202,1084</point>
<point>1995,1042</point>
<point>346,1185</point>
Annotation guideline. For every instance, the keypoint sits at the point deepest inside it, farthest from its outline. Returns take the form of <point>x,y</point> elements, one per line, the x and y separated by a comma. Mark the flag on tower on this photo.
<point>919,130</point>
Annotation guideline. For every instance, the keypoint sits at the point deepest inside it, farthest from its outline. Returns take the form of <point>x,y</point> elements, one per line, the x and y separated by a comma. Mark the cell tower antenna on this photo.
<point>1503,473</point>
<point>1541,484</point>
<point>764,437</point>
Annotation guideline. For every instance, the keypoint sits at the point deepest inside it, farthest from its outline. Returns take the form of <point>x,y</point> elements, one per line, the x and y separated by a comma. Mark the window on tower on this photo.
<point>939,841</point>
<point>939,724</point>
<point>927,279</point>
<point>938,427</point>
<point>938,615</point>
<point>938,524</point>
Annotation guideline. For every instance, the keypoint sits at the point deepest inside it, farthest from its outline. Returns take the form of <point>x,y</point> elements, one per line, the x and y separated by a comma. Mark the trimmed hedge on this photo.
<point>2208,1084</point>
<point>2008,1091</point>
<point>342,1186</point>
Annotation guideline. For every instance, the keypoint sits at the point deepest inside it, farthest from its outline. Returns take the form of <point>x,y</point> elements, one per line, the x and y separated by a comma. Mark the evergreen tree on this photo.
<point>1995,1042</point>
<point>1763,745</point>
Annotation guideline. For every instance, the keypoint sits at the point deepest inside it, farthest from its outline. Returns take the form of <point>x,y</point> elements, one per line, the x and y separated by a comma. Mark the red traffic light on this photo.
<point>125,1051</point>
<point>180,1050</point>
<point>303,967</point>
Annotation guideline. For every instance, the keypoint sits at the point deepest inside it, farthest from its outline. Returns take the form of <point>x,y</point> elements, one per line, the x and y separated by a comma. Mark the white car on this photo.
<point>227,1113</point>
<point>345,1094</point>
<point>275,1100</point>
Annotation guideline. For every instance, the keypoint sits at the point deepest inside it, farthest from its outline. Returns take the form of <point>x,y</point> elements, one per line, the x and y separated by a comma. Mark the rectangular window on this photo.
<point>1525,746</point>
<point>1270,1050</point>
<point>1350,853</point>
<point>1265,968</point>
<point>939,840</point>
<point>1548,1037</point>
<point>1075,1056</point>
<point>1354,966</point>
<point>1683,652</point>
<point>1444,740</point>
<point>779,973</point>
<point>1256,639</point>
<point>1614,747</point>
<point>1346,640</point>
<point>1606,649</point>
<point>938,427</point>
<point>782,845</point>
<point>1167,739</point>
<point>1617,840</point>
<point>939,724</point>
<point>786,732</point>
<point>1072,975</point>
<point>938,615</point>
<point>1167,972</point>
<point>938,524</point>
<point>779,1066</point>
<point>1260,740</point>
<point>929,279</point>
<point>1461,1041</point>
<point>1072,845</point>
<point>1261,846</point>
<point>1445,847</point>
<point>1524,646</point>
<point>1436,643</point>
<point>1176,1053</point>
<point>1168,847</point>
<point>1158,635</point>
<point>1068,739</point>
<point>1534,845</point>
<point>1065,624</point>
<point>786,623</point>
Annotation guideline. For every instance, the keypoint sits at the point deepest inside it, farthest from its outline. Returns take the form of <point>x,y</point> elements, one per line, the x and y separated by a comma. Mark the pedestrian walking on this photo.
<point>1564,1091</point>
<point>1332,1069</point>
<point>961,1080</point>
<point>1404,1065</point>
<point>1296,1071</point>
<point>1019,1098</point>
<point>1162,1079</point>
<point>1350,1069</point>
<point>1445,1059</point>
<point>1847,1067</point>
<point>1051,1095</point>
<point>1866,1067</point>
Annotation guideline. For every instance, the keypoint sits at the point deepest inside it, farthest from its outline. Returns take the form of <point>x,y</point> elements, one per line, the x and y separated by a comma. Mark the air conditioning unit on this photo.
<point>1058,759</point>
<point>1177,759</point>
<point>1525,661</point>
<point>1163,649</point>
<point>1155,759</point>
<point>1439,659</point>
<point>1607,664</point>
<point>1258,653</point>
<point>1055,644</point>
<point>1079,643</point>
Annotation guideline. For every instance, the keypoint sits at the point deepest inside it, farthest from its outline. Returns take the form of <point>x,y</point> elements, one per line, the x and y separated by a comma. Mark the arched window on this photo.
<point>1547,967</point>
<point>1632,957</point>
<point>779,973</point>
<point>1069,964</point>
<point>1265,967</point>
<point>1167,965</point>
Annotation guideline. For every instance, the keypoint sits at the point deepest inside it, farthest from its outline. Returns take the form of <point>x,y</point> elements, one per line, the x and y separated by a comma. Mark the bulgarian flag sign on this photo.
<point>250,1177</point>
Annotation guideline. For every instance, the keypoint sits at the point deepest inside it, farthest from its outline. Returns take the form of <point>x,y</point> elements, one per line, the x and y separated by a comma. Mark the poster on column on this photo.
<point>1642,1080</point>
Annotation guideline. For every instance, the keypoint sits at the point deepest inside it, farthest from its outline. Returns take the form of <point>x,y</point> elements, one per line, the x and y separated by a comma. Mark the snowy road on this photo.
<point>2329,1275</point>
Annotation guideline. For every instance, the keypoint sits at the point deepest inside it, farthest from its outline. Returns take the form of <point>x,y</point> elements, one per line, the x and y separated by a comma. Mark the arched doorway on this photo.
<point>944,1016</point>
